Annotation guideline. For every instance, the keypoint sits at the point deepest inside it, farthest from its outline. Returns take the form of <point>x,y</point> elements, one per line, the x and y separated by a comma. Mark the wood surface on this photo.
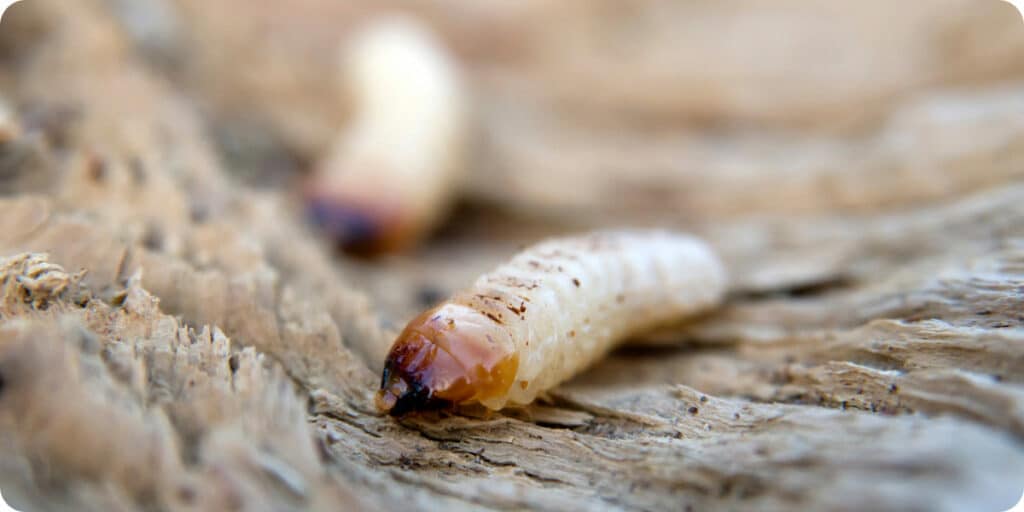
<point>174,337</point>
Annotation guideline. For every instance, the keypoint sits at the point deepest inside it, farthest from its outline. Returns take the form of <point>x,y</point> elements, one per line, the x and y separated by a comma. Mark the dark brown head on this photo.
<point>448,355</point>
<point>360,220</point>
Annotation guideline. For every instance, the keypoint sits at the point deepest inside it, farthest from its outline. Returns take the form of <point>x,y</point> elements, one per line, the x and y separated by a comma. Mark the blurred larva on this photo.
<point>391,175</point>
<point>545,315</point>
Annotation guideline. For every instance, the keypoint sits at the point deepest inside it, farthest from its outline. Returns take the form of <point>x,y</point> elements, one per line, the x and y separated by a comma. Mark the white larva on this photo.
<point>391,175</point>
<point>551,311</point>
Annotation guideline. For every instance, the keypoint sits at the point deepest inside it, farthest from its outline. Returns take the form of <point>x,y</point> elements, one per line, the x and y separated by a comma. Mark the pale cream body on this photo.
<point>561,305</point>
<point>401,156</point>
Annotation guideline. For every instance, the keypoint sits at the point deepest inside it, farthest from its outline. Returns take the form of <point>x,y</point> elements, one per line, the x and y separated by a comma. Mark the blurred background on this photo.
<point>776,129</point>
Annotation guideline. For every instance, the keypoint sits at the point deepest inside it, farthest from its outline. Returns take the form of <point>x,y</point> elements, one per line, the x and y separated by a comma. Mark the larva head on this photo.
<point>363,223</point>
<point>448,355</point>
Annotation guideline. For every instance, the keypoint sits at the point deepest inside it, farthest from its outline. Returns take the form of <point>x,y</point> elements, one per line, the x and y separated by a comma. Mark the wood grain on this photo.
<point>173,340</point>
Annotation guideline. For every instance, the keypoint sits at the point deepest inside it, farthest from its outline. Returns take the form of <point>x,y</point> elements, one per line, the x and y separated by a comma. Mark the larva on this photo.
<point>391,174</point>
<point>550,311</point>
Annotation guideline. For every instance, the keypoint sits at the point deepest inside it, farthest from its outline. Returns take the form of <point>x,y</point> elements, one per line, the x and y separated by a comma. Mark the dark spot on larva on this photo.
<point>572,334</point>
<point>586,320</point>
<point>233,363</point>
<point>997,378</point>
<point>703,399</point>
<point>523,384</point>
<point>984,312</point>
<point>735,415</point>
<point>620,298</point>
<point>693,410</point>
<point>893,388</point>
<point>534,263</point>
<point>560,269</point>
<point>576,282</point>
<point>489,339</point>
<point>860,391</point>
<point>2,383</point>
<point>435,318</point>
<point>492,317</point>
<point>451,323</point>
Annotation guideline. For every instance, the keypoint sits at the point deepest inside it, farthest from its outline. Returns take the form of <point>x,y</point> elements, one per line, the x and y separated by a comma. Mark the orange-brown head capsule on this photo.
<point>359,221</point>
<point>448,355</point>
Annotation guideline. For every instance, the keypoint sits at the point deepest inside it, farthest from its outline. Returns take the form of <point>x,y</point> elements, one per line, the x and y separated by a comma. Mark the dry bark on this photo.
<point>171,340</point>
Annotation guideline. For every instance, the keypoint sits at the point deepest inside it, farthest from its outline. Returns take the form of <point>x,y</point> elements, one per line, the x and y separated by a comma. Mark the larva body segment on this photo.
<point>551,311</point>
<point>392,173</point>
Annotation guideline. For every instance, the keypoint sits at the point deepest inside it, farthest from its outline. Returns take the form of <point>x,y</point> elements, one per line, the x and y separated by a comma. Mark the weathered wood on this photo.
<point>214,356</point>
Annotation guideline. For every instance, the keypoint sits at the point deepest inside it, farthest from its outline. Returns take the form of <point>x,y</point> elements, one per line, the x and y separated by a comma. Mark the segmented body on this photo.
<point>546,314</point>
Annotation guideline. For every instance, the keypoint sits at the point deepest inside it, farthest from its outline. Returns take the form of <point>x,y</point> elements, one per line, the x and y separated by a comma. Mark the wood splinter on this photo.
<point>539,319</point>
